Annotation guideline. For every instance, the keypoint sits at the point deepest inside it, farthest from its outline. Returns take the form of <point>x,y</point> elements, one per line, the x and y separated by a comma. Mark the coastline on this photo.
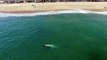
<point>42,7</point>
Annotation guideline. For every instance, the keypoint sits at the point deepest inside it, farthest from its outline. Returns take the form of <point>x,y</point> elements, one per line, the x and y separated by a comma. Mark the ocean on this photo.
<point>75,35</point>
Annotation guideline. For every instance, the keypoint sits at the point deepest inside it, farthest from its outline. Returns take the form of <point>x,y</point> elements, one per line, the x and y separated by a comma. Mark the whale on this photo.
<point>50,45</point>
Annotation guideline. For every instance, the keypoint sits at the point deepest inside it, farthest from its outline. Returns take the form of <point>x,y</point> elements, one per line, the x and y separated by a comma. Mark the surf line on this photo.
<point>50,13</point>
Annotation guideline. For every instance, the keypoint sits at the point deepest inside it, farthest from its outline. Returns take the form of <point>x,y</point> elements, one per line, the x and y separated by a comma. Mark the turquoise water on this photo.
<point>76,37</point>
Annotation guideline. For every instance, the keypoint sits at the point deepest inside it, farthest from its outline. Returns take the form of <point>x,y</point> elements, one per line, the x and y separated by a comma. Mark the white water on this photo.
<point>49,13</point>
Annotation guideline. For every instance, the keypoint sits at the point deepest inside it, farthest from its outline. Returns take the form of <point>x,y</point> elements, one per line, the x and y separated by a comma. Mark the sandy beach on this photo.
<point>40,7</point>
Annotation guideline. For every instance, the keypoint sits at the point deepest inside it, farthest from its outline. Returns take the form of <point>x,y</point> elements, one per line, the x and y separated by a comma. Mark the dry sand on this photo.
<point>35,7</point>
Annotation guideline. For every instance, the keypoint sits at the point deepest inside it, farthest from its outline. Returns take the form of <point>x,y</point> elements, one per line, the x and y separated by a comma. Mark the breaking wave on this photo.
<point>49,13</point>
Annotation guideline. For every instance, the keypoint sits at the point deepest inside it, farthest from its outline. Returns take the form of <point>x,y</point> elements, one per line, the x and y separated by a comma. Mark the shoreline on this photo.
<point>19,12</point>
<point>56,6</point>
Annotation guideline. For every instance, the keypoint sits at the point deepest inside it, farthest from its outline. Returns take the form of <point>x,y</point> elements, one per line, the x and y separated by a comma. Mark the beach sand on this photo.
<point>40,7</point>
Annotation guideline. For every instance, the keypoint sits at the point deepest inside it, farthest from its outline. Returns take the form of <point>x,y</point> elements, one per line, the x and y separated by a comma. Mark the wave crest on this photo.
<point>49,13</point>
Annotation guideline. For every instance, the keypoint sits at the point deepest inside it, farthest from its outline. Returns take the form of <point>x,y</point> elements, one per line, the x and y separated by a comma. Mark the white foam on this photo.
<point>103,13</point>
<point>49,13</point>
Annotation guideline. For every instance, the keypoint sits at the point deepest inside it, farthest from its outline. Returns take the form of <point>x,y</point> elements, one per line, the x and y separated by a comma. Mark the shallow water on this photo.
<point>76,36</point>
